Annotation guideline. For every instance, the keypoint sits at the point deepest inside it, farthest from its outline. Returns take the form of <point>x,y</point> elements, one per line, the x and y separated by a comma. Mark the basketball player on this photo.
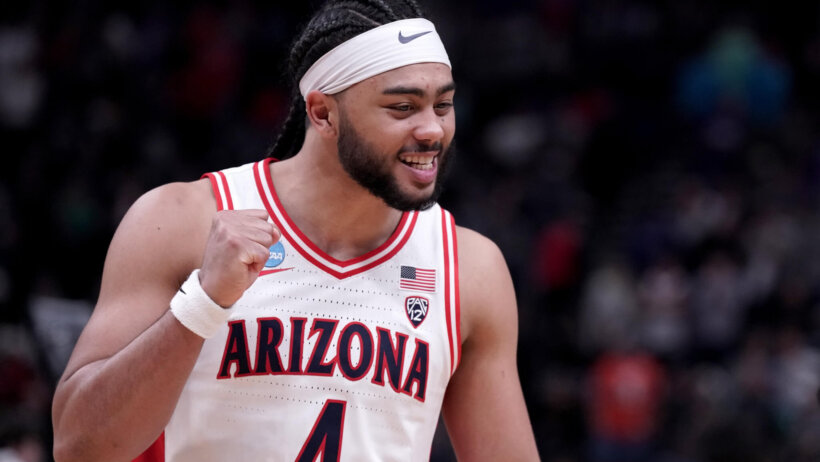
<point>322,306</point>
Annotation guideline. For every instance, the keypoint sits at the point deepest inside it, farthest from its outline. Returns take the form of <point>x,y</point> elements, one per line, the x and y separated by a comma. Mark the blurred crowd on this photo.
<point>651,171</point>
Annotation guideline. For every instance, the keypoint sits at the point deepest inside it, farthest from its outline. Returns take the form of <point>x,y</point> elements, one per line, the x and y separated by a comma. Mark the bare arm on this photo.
<point>116,394</point>
<point>484,407</point>
<point>132,360</point>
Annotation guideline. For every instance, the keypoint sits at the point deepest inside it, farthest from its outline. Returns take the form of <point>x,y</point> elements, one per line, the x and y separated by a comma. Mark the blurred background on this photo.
<point>651,171</point>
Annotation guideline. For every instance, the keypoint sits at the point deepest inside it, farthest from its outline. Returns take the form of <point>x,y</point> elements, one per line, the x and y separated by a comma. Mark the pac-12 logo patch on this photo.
<point>276,255</point>
<point>416,309</point>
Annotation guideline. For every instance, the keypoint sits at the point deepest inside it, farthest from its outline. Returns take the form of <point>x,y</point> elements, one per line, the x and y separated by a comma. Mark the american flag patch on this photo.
<point>413,278</point>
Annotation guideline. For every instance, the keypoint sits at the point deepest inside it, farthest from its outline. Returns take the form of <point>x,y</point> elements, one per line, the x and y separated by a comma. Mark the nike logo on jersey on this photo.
<point>271,271</point>
<point>409,38</point>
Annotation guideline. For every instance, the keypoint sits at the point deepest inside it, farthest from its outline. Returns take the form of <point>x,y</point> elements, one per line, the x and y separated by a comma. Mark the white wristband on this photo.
<point>195,309</point>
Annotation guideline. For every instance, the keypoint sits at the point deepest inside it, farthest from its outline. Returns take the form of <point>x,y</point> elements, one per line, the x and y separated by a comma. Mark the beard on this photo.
<point>372,169</point>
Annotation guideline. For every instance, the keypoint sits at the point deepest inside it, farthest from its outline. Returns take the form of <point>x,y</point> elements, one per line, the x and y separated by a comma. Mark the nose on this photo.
<point>429,127</point>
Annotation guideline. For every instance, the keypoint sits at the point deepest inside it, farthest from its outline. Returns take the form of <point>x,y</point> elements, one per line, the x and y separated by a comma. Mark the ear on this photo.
<point>322,111</point>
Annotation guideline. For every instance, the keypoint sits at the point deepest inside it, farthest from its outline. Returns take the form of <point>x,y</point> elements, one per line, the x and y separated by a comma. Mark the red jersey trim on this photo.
<point>226,190</point>
<point>338,268</point>
<point>154,453</point>
<point>456,288</point>
<point>222,193</point>
<point>451,300</point>
<point>215,186</point>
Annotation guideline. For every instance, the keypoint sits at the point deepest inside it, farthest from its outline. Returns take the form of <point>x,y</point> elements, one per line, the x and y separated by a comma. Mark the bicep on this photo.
<point>149,256</point>
<point>484,408</point>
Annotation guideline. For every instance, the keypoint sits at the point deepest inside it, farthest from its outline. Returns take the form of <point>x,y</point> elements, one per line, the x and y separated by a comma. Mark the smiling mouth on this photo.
<point>420,162</point>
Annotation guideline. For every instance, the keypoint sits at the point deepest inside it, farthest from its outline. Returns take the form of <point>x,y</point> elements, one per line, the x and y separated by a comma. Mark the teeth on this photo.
<point>419,162</point>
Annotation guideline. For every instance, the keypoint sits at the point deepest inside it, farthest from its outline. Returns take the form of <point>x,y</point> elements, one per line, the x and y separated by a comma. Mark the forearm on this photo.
<point>113,408</point>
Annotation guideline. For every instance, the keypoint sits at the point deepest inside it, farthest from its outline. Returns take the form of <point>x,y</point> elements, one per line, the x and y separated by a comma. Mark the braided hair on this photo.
<point>336,22</point>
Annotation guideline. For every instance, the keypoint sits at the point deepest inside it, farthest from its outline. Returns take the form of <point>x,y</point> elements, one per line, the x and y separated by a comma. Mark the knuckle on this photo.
<point>233,241</point>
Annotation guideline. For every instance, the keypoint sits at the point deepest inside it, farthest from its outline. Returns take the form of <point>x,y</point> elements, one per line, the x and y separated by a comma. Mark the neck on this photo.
<point>330,208</point>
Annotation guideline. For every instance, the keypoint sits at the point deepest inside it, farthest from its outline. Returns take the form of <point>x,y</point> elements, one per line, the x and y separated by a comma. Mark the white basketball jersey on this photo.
<point>325,359</point>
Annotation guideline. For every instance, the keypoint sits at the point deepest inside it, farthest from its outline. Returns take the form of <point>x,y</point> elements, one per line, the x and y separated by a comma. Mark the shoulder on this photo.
<point>479,259</point>
<point>173,207</point>
<point>475,247</point>
<point>170,221</point>
<point>485,286</point>
<point>172,198</point>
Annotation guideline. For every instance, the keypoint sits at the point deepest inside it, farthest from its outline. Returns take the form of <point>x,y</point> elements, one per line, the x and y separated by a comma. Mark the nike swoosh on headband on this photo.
<point>374,52</point>
<point>410,38</point>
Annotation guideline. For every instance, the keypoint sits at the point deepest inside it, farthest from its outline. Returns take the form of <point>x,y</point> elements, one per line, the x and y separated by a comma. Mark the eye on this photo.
<point>404,107</point>
<point>443,107</point>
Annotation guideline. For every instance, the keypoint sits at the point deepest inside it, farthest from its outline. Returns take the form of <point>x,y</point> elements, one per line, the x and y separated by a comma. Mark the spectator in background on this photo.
<point>626,398</point>
<point>735,75</point>
<point>23,400</point>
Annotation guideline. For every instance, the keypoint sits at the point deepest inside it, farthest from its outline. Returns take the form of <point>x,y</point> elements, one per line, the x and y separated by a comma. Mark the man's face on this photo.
<point>372,169</point>
<point>409,117</point>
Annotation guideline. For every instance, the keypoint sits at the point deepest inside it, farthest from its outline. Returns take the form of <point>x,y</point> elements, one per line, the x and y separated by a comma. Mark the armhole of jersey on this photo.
<point>457,297</point>
<point>155,453</point>
<point>452,302</point>
<point>222,192</point>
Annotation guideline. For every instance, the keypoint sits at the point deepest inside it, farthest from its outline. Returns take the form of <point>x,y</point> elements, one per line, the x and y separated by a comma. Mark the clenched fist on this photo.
<point>235,253</point>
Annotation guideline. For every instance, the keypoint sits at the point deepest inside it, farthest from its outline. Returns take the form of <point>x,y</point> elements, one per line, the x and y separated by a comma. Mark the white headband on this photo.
<point>387,47</point>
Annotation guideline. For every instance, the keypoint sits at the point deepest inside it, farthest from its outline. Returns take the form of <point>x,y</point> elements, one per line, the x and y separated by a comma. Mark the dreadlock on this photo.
<point>336,22</point>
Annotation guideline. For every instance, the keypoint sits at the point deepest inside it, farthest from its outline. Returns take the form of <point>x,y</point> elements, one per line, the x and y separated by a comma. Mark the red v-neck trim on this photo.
<point>339,268</point>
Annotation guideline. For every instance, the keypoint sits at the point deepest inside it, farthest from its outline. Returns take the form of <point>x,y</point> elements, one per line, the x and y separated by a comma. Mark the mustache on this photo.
<point>422,147</point>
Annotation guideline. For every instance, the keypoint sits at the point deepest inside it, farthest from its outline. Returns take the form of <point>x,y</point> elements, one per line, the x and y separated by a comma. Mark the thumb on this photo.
<point>276,234</point>
<point>256,255</point>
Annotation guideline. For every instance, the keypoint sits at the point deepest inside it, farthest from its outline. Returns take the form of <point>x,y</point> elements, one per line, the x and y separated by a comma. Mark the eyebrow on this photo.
<point>401,90</point>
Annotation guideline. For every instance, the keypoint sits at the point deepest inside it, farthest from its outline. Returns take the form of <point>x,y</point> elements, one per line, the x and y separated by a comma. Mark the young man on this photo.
<point>322,307</point>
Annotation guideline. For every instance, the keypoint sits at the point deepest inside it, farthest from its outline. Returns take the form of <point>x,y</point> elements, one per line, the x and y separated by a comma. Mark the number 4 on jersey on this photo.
<point>326,436</point>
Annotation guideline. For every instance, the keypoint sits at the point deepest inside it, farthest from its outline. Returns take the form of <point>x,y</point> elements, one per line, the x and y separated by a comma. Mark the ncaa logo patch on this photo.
<point>276,255</point>
<point>416,308</point>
